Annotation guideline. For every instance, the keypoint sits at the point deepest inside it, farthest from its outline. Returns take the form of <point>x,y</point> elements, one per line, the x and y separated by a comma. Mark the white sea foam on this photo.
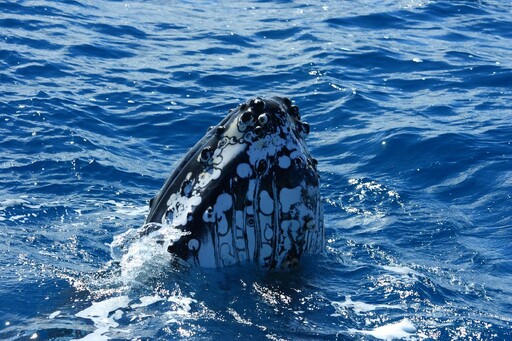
<point>141,252</point>
<point>181,309</point>
<point>147,254</point>
<point>54,314</point>
<point>105,314</point>
<point>100,314</point>
<point>358,306</point>
<point>124,209</point>
<point>5,203</point>
<point>403,270</point>
<point>400,330</point>
<point>147,301</point>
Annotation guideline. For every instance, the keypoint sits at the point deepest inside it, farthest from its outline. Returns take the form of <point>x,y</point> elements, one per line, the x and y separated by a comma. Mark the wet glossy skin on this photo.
<point>248,191</point>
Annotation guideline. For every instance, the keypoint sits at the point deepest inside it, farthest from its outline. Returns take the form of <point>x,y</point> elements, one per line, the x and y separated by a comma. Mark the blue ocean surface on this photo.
<point>410,107</point>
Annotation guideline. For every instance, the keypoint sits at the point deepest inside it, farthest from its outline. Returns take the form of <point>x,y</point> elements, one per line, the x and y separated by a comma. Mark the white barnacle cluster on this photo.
<point>181,203</point>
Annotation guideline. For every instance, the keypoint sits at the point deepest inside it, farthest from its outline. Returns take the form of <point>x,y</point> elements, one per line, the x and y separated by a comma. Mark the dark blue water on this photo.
<point>410,108</point>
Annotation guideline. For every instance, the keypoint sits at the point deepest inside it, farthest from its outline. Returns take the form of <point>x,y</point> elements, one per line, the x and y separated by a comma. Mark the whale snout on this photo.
<point>248,191</point>
<point>264,117</point>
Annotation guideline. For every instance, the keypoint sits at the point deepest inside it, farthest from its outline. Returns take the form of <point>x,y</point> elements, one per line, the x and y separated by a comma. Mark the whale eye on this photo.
<point>263,119</point>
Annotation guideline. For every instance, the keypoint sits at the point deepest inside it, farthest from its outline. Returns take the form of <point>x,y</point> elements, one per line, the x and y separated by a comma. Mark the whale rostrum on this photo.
<point>247,192</point>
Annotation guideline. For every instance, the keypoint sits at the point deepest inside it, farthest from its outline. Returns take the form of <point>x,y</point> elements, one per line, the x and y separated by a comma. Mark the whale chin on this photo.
<point>247,192</point>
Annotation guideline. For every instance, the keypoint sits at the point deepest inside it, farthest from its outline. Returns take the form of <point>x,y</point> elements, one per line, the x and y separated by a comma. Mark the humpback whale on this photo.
<point>247,192</point>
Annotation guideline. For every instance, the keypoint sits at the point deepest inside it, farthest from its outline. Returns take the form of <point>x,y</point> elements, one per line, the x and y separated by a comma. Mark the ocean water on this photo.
<point>409,104</point>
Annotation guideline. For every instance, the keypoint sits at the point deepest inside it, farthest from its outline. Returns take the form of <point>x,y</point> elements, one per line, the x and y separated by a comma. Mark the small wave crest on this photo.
<point>142,253</point>
<point>138,276</point>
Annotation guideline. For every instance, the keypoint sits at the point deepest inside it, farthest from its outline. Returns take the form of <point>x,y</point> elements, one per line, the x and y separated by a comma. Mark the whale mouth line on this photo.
<point>248,191</point>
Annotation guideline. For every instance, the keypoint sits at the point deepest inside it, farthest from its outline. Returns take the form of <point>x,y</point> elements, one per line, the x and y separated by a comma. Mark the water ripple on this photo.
<point>409,106</point>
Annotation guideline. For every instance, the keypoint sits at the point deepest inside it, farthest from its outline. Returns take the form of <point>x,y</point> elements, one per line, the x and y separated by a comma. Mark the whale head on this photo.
<point>247,192</point>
